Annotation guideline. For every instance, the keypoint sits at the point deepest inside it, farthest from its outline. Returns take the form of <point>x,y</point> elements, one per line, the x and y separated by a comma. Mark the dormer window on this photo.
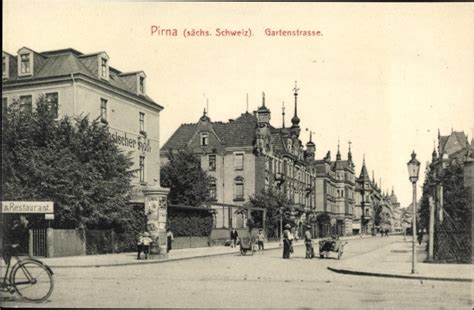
<point>141,85</point>
<point>25,64</point>
<point>104,68</point>
<point>204,138</point>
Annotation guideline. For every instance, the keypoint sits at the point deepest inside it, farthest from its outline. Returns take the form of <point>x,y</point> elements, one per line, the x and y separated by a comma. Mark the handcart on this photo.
<point>246,245</point>
<point>331,245</point>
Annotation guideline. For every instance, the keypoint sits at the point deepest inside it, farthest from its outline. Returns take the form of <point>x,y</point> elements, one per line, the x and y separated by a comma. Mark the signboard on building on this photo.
<point>27,207</point>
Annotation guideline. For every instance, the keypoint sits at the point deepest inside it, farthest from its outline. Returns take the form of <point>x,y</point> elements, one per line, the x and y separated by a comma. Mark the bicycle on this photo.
<point>29,278</point>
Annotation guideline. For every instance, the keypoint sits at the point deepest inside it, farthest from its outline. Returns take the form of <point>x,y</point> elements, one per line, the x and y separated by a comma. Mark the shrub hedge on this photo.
<point>186,222</point>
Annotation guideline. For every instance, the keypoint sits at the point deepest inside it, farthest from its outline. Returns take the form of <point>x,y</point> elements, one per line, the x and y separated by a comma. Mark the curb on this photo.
<point>399,276</point>
<point>158,261</point>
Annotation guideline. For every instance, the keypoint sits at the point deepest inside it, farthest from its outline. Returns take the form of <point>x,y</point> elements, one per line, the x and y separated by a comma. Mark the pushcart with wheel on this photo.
<point>331,245</point>
<point>246,245</point>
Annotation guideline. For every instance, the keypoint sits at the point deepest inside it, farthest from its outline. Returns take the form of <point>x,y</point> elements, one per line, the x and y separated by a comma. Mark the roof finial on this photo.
<point>247,101</point>
<point>204,113</point>
<point>263,98</point>
<point>363,159</point>
<point>207,105</point>
<point>283,113</point>
<point>338,155</point>
<point>295,120</point>
<point>349,153</point>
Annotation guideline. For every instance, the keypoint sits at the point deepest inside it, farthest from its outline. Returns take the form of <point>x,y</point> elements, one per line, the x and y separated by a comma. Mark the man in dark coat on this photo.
<point>233,237</point>
<point>286,242</point>
<point>308,242</point>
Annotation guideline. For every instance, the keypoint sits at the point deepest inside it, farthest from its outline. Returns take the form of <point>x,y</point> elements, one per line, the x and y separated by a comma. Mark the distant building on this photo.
<point>335,192</point>
<point>86,84</point>
<point>371,200</point>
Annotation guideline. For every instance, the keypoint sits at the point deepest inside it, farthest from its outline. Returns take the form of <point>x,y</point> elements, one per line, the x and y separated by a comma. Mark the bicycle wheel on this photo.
<point>32,281</point>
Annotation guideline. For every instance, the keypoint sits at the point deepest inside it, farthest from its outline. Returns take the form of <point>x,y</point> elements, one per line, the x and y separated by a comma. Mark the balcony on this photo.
<point>280,178</point>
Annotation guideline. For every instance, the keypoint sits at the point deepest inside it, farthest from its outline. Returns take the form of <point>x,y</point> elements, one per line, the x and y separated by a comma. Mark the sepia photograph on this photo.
<point>303,155</point>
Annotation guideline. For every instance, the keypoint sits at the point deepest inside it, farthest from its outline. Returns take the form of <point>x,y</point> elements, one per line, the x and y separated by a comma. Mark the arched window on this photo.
<point>239,188</point>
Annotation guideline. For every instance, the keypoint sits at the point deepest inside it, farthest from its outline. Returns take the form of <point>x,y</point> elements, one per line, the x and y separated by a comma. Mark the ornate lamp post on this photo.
<point>413,171</point>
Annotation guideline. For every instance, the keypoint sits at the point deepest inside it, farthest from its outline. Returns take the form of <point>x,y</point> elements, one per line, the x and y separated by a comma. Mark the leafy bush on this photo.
<point>190,223</point>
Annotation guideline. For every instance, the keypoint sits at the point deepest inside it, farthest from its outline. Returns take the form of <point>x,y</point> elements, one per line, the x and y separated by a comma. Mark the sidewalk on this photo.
<point>127,259</point>
<point>395,260</point>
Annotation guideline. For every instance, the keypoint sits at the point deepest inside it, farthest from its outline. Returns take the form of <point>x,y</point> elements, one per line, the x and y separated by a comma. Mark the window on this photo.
<point>239,161</point>
<point>239,188</point>
<point>142,85</point>
<point>212,189</point>
<point>4,67</point>
<point>103,67</point>
<point>4,106</point>
<point>212,162</point>
<point>26,103</point>
<point>52,100</point>
<point>204,138</point>
<point>25,63</point>
<point>103,110</point>
<point>142,169</point>
<point>142,122</point>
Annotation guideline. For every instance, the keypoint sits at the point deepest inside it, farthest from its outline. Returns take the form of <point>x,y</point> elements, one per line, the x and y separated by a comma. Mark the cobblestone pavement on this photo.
<point>263,280</point>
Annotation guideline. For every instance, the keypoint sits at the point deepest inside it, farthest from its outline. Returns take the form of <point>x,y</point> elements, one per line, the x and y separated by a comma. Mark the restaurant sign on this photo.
<point>27,207</point>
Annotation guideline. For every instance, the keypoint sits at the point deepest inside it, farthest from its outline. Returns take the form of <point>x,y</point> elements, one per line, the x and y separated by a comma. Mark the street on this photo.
<point>261,281</point>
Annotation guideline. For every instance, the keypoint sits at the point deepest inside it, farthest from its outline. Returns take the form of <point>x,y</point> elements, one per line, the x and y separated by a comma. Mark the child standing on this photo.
<point>139,245</point>
<point>146,241</point>
<point>260,240</point>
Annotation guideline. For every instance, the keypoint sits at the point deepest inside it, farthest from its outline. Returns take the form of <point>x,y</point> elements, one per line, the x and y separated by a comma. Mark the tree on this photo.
<point>188,183</point>
<point>276,205</point>
<point>72,162</point>
<point>455,195</point>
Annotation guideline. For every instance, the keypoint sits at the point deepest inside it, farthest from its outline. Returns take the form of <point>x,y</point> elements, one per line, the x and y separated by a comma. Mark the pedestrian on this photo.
<point>308,242</point>
<point>139,245</point>
<point>286,242</point>
<point>169,240</point>
<point>420,236</point>
<point>233,237</point>
<point>386,232</point>
<point>260,240</point>
<point>147,241</point>
<point>291,237</point>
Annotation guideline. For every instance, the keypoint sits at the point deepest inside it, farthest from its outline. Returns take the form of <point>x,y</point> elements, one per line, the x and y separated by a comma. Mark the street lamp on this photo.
<point>413,170</point>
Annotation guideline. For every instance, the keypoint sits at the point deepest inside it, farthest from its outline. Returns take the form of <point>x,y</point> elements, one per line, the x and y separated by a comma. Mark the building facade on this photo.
<point>85,84</point>
<point>335,191</point>
<point>247,155</point>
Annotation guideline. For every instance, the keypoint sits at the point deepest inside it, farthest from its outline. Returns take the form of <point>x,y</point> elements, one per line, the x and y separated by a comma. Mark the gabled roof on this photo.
<point>180,137</point>
<point>459,137</point>
<point>69,61</point>
<point>237,133</point>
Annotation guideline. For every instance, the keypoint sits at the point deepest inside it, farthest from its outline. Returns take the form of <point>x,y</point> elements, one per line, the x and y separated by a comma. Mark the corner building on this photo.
<point>85,84</point>
<point>247,155</point>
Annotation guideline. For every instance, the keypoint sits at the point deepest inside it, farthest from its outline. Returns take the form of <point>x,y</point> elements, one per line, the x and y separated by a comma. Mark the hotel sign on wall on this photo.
<point>27,207</point>
<point>141,144</point>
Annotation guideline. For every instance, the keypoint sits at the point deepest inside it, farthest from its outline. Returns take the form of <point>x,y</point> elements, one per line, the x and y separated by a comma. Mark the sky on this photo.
<point>384,76</point>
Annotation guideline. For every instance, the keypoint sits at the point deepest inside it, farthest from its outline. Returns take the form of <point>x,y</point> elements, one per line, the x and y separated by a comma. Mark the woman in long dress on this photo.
<point>286,242</point>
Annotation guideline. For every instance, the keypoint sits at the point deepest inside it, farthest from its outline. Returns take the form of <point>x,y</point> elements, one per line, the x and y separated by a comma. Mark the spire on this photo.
<point>349,153</point>
<point>364,175</point>
<point>283,114</point>
<point>295,120</point>
<point>434,155</point>
<point>338,155</point>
